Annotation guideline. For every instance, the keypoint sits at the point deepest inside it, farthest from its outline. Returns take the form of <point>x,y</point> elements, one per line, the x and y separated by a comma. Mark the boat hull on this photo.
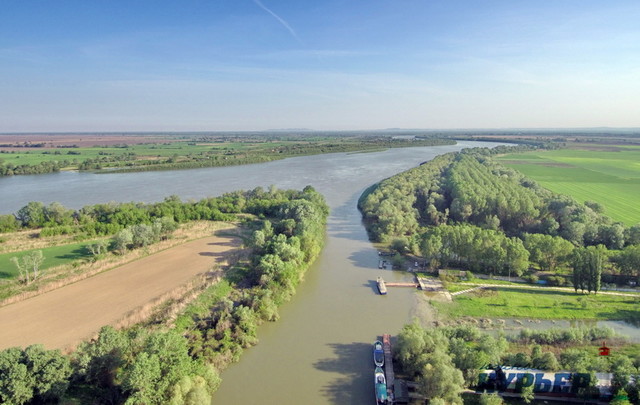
<point>378,353</point>
<point>380,387</point>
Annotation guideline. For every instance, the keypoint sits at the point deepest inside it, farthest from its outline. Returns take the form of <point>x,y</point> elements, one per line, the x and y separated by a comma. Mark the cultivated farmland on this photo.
<point>63,317</point>
<point>610,176</point>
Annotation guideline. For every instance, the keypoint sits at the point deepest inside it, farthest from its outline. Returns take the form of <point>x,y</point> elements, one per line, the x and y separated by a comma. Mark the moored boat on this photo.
<point>380,387</point>
<point>381,286</point>
<point>378,353</point>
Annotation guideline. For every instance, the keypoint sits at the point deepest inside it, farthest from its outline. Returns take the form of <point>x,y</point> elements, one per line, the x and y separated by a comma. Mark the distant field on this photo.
<point>38,154</point>
<point>609,175</point>
<point>53,256</point>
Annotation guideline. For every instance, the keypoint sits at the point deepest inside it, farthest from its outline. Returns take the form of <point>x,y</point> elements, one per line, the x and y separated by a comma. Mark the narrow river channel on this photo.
<point>319,352</point>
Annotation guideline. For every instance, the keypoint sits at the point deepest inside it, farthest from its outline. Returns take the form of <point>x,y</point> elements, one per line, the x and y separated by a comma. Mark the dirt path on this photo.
<point>65,316</point>
<point>533,287</point>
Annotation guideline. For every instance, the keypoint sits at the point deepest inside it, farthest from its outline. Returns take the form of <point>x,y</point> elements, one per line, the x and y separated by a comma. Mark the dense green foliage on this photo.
<point>469,187</point>
<point>32,374</point>
<point>283,247</point>
<point>475,248</point>
<point>446,360</point>
<point>556,336</point>
<point>136,367</point>
<point>465,210</point>
<point>12,169</point>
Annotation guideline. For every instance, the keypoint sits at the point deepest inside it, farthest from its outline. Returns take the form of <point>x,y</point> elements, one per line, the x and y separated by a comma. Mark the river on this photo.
<point>319,352</point>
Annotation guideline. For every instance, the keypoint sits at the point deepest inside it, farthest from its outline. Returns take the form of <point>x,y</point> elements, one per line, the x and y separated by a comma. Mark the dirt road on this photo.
<point>63,317</point>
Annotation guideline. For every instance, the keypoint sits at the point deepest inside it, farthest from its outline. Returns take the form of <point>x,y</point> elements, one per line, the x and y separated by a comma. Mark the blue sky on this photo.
<point>212,65</point>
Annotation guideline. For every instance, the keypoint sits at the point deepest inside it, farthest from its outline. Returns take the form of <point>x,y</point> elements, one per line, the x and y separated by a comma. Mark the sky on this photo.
<point>233,65</point>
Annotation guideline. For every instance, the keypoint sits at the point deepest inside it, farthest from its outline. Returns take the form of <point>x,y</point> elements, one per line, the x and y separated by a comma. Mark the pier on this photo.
<point>419,283</point>
<point>413,285</point>
<point>388,365</point>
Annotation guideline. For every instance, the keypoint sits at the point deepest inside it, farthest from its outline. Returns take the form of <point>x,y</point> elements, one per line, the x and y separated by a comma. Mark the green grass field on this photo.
<point>53,256</point>
<point>610,177</point>
<point>508,302</point>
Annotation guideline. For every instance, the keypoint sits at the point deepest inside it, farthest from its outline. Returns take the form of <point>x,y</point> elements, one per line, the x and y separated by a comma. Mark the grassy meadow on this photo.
<point>53,256</point>
<point>505,302</point>
<point>609,175</point>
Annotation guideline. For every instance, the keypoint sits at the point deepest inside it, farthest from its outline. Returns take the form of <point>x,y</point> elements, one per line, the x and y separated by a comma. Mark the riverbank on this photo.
<point>133,153</point>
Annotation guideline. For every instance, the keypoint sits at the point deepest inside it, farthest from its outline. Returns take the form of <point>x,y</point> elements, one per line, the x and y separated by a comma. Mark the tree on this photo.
<point>545,361</point>
<point>56,213</point>
<point>29,265</point>
<point>526,393</point>
<point>621,398</point>
<point>628,261</point>
<point>588,264</point>
<point>547,251</point>
<point>632,235</point>
<point>490,399</point>
<point>431,250</point>
<point>9,223</point>
<point>32,374</point>
<point>623,369</point>
<point>440,379</point>
<point>98,248</point>
<point>122,240</point>
<point>144,235</point>
<point>31,215</point>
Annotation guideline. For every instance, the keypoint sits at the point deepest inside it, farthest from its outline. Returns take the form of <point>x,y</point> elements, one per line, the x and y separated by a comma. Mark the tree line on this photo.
<point>181,365</point>
<point>12,169</point>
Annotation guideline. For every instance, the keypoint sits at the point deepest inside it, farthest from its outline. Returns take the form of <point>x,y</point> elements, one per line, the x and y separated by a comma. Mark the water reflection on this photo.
<point>347,361</point>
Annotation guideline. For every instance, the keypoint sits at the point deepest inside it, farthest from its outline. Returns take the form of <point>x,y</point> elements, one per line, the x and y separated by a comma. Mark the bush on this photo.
<point>569,335</point>
<point>556,281</point>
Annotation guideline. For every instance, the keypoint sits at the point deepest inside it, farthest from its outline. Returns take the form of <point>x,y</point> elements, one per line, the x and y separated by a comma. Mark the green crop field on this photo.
<point>508,302</point>
<point>610,176</point>
<point>53,256</point>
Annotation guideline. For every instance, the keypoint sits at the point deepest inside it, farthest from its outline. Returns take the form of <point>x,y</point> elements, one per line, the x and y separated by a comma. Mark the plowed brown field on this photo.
<point>63,317</point>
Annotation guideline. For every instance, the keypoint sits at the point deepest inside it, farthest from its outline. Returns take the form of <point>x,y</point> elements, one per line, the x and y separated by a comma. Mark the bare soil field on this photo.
<point>64,317</point>
<point>80,140</point>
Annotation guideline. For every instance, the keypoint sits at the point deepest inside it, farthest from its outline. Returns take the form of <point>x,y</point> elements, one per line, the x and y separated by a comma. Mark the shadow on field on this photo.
<point>77,253</point>
<point>354,363</point>
<point>228,243</point>
<point>540,292</point>
<point>5,275</point>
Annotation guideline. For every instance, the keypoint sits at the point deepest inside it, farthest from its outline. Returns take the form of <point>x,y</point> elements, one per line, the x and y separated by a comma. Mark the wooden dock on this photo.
<point>388,364</point>
<point>413,285</point>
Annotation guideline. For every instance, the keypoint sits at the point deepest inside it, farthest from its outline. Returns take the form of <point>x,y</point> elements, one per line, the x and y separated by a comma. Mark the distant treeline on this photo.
<point>190,159</point>
<point>182,365</point>
<point>11,169</point>
<point>464,209</point>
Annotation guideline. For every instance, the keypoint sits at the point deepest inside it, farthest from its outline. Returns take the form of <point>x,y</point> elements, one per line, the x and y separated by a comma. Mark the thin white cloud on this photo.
<point>280,20</point>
